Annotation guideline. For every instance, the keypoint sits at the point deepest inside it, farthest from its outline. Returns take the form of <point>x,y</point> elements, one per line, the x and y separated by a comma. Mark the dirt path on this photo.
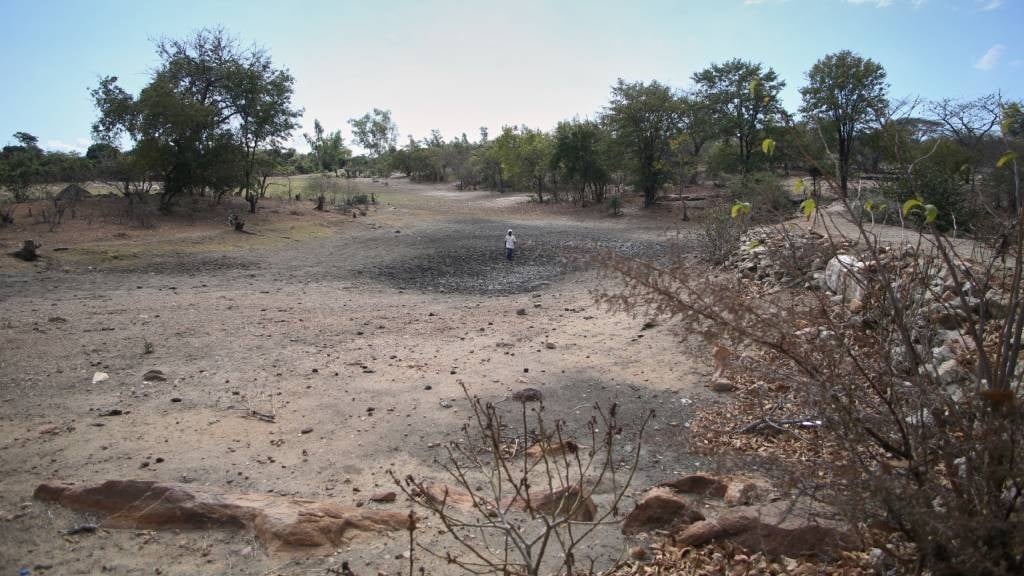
<point>359,334</point>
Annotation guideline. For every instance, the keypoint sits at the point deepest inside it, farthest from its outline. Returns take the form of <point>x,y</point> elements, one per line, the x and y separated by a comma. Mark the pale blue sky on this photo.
<point>456,66</point>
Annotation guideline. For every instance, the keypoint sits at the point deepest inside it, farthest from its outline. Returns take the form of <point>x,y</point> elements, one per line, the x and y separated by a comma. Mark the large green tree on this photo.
<point>645,118</point>
<point>844,92</point>
<point>377,133</point>
<point>21,166</point>
<point>578,158</point>
<point>743,99</point>
<point>199,123</point>
<point>328,148</point>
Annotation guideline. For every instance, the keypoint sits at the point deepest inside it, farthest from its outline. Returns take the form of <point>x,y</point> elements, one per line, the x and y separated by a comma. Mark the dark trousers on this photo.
<point>508,253</point>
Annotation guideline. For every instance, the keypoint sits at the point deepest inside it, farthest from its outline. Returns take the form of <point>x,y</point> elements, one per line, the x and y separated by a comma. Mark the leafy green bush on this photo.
<point>766,195</point>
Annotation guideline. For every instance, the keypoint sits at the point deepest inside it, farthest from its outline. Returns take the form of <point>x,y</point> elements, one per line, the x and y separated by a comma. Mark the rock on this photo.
<point>521,312</point>
<point>282,524</point>
<point>950,372</point>
<point>660,509</point>
<point>942,354</point>
<point>756,536</point>
<point>49,429</point>
<point>306,430</point>
<point>100,377</point>
<point>638,553</point>
<point>437,493</point>
<point>742,492</point>
<point>700,484</point>
<point>569,502</point>
<point>389,496</point>
<point>722,385</point>
<point>154,376</point>
<point>997,303</point>
<point>554,450</point>
<point>564,502</point>
<point>549,345</point>
<point>526,395</point>
<point>842,277</point>
<point>28,251</point>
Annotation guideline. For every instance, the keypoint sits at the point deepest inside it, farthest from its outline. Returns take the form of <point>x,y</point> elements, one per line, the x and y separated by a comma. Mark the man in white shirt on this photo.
<point>510,245</point>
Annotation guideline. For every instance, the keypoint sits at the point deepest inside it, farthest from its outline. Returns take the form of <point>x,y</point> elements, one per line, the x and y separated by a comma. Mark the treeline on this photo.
<point>732,128</point>
<point>215,116</point>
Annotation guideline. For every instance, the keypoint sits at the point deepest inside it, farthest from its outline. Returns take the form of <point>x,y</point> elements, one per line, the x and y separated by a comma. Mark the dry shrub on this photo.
<point>921,426</point>
<point>520,498</point>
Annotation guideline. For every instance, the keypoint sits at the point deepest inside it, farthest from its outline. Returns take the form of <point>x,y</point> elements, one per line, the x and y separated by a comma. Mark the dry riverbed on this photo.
<point>353,332</point>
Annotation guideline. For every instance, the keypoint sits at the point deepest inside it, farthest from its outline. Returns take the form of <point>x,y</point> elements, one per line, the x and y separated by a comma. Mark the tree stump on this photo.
<point>27,251</point>
<point>236,222</point>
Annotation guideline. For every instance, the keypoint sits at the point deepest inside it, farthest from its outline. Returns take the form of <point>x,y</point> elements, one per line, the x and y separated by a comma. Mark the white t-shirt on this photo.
<point>510,241</point>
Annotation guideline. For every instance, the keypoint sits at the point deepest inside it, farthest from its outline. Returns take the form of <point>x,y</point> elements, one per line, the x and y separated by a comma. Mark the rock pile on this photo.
<point>768,257</point>
<point>673,507</point>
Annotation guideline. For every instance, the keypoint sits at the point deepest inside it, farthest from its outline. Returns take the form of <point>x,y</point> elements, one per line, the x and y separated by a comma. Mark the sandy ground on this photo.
<point>318,318</point>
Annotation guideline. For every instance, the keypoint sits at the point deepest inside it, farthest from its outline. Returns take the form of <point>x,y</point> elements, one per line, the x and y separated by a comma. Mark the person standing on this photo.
<point>510,245</point>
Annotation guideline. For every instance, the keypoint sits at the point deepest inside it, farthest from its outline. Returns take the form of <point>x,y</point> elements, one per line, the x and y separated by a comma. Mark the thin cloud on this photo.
<point>80,145</point>
<point>990,58</point>
<point>990,4</point>
<point>877,3</point>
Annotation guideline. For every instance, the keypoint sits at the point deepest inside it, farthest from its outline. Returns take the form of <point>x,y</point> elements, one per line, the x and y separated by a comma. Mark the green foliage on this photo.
<point>378,134</point>
<point>524,157</point>
<point>744,100</point>
<point>21,166</point>
<point>844,92</point>
<point>764,193</point>
<point>807,207</point>
<point>208,108</point>
<point>1011,123</point>
<point>579,158</point>
<point>740,209</point>
<point>937,181</point>
<point>1006,159</point>
<point>644,118</point>
<point>328,149</point>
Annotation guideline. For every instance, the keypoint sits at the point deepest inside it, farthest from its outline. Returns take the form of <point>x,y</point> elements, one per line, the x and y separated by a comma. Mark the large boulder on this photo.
<point>660,509</point>
<point>282,524</point>
<point>774,541</point>
<point>743,492</point>
<point>843,277</point>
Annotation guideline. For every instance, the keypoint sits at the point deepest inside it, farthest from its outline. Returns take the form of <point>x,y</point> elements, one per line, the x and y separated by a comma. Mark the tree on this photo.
<point>743,99</point>
<point>698,129</point>
<point>577,158</point>
<point>377,133</point>
<point>968,123</point>
<point>21,166</point>
<point>844,92</point>
<point>644,118</point>
<point>209,107</point>
<point>328,149</point>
